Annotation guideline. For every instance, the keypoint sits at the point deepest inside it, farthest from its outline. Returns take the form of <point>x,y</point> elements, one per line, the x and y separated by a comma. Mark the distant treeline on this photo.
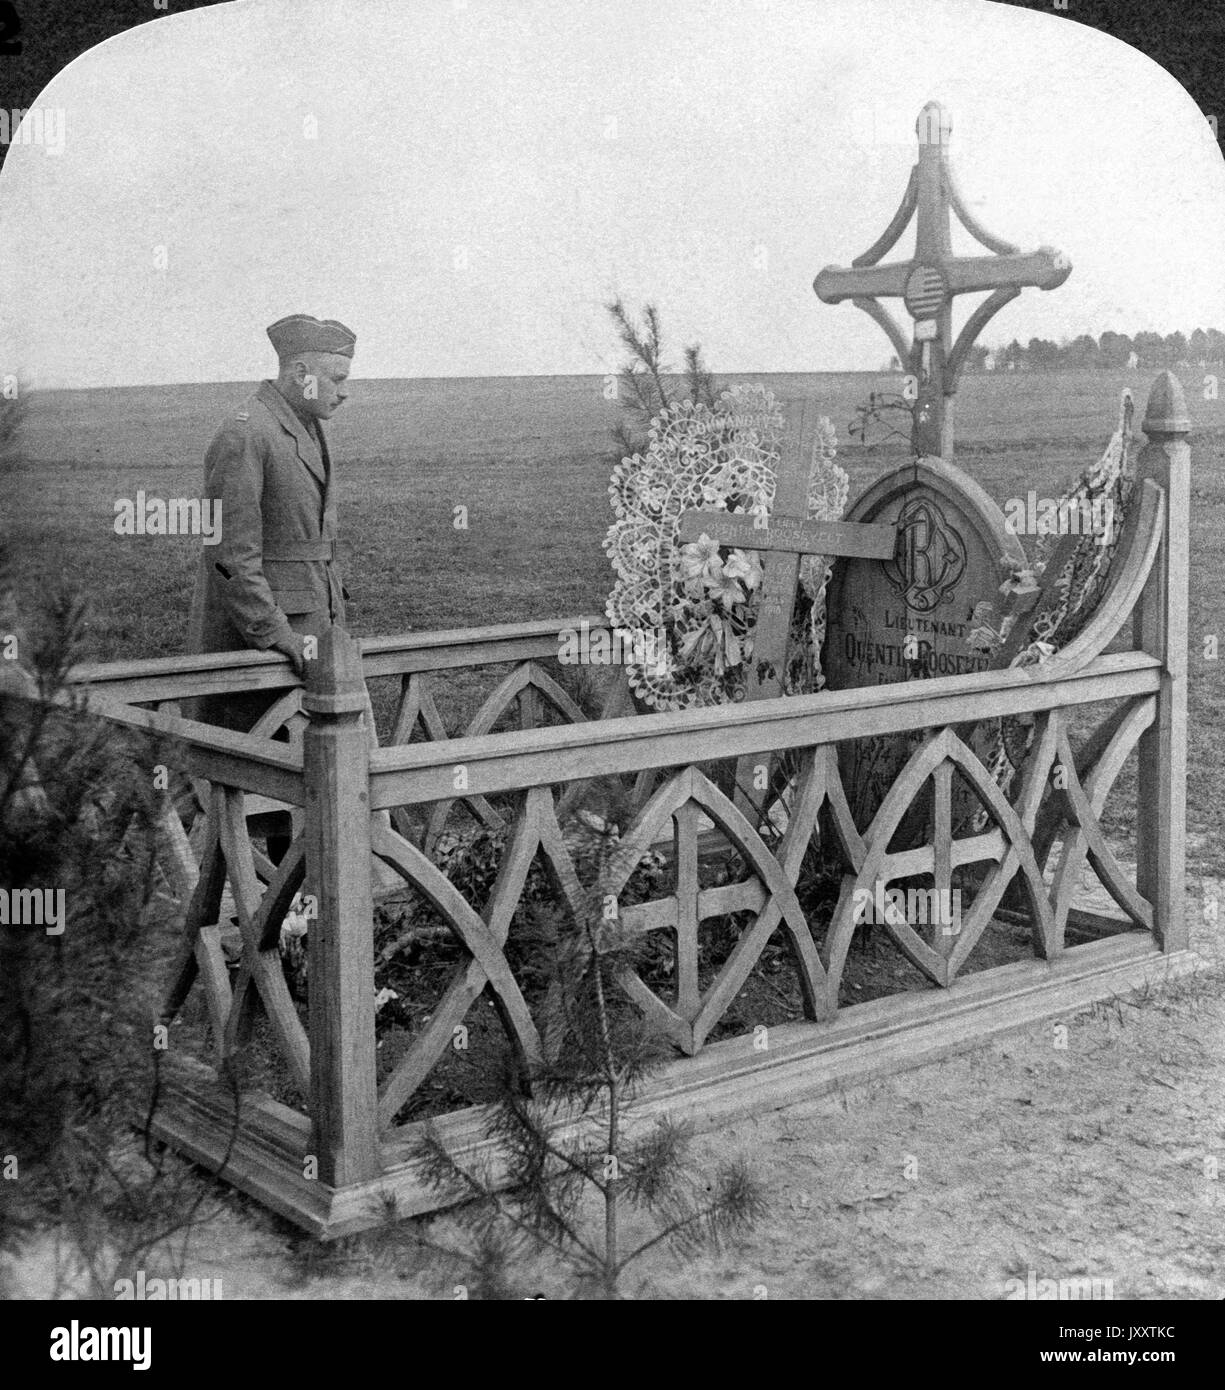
<point>1204,348</point>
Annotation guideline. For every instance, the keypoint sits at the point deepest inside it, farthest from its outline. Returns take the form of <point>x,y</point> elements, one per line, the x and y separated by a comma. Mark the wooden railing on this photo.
<point>356,805</point>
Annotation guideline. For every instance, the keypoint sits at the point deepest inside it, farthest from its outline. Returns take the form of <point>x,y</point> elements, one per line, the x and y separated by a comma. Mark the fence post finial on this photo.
<point>1166,412</point>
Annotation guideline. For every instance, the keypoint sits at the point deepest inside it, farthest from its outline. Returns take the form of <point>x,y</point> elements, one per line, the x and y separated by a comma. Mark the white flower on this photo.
<point>700,559</point>
<point>296,922</point>
<point>726,590</point>
<point>742,566</point>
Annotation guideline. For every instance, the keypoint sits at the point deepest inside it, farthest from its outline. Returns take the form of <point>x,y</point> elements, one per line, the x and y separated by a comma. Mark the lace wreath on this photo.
<point>1103,490</point>
<point>697,603</point>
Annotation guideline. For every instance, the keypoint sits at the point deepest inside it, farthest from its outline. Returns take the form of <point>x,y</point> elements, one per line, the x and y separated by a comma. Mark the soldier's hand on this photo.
<point>294,647</point>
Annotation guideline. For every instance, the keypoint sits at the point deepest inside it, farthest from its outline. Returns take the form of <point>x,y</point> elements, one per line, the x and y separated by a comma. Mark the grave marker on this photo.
<point>784,536</point>
<point>928,282</point>
<point>908,618</point>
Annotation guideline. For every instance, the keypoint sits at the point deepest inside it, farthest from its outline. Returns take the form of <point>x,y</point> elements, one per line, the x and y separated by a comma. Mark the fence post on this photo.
<point>336,764</point>
<point>1161,630</point>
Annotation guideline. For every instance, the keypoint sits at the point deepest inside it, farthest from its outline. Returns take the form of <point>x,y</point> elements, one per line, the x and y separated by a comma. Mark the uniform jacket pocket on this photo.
<point>299,586</point>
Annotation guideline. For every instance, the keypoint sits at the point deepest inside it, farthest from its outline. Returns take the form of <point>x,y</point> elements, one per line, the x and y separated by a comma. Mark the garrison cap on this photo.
<point>302,333</point>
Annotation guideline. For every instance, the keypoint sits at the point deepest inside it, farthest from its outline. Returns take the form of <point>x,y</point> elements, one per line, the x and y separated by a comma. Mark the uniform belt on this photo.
<point>301,550</point>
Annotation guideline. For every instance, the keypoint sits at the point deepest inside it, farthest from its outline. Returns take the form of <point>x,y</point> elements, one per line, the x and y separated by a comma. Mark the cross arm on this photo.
<point>1046,268</point>
<point>828,538</point>
<point>835,283</point>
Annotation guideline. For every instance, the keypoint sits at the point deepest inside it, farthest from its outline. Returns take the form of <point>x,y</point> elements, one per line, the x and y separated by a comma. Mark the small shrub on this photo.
<point>78,1052</point>
<point>599,1050</point>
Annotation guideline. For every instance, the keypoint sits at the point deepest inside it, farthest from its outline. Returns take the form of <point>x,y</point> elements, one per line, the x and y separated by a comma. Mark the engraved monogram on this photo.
<point>930,556</point>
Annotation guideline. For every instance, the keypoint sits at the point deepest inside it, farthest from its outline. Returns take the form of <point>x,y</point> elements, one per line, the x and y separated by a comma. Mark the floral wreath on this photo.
<point>1072,598</point>
<point>699,602</point>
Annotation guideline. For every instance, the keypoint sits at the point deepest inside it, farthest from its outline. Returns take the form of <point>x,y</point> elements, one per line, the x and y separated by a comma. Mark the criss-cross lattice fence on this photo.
<point>366,818</point>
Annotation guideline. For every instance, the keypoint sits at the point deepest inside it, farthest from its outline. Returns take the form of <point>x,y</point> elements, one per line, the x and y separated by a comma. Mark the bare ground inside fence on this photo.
<point>1093,1160</point>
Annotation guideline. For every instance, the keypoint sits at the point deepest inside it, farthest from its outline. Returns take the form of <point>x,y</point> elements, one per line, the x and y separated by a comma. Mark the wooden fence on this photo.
<point>355,805</point>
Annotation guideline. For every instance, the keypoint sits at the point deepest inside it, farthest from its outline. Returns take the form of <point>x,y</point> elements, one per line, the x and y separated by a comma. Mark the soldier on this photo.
<point>272,579</point>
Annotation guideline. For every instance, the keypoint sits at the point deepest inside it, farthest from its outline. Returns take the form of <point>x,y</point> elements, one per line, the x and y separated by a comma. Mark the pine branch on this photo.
<point>431,1156</point>
<point>737,1203</point>
<point>701,382</point>
<point>644,347</point>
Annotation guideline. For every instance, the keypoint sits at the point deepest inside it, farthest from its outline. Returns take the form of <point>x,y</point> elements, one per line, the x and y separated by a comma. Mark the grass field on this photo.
<point>529,459</point>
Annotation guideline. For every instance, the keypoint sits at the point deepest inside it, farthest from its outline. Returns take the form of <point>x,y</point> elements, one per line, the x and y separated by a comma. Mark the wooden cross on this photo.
<point>927,282</point>
<point>784,535</point>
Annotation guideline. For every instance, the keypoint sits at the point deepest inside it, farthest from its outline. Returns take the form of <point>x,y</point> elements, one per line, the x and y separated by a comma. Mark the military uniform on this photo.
<point>274,571</point>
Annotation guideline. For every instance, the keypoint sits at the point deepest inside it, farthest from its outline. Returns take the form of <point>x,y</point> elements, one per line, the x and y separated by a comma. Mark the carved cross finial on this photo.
<point>929,281</point>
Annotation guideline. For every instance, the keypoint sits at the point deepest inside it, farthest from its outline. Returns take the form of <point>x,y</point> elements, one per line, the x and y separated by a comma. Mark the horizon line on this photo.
<point>884,370</point>
<point>482,376</point>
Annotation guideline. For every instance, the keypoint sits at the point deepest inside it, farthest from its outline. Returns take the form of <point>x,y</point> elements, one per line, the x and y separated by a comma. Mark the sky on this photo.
<point>466,183</point>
